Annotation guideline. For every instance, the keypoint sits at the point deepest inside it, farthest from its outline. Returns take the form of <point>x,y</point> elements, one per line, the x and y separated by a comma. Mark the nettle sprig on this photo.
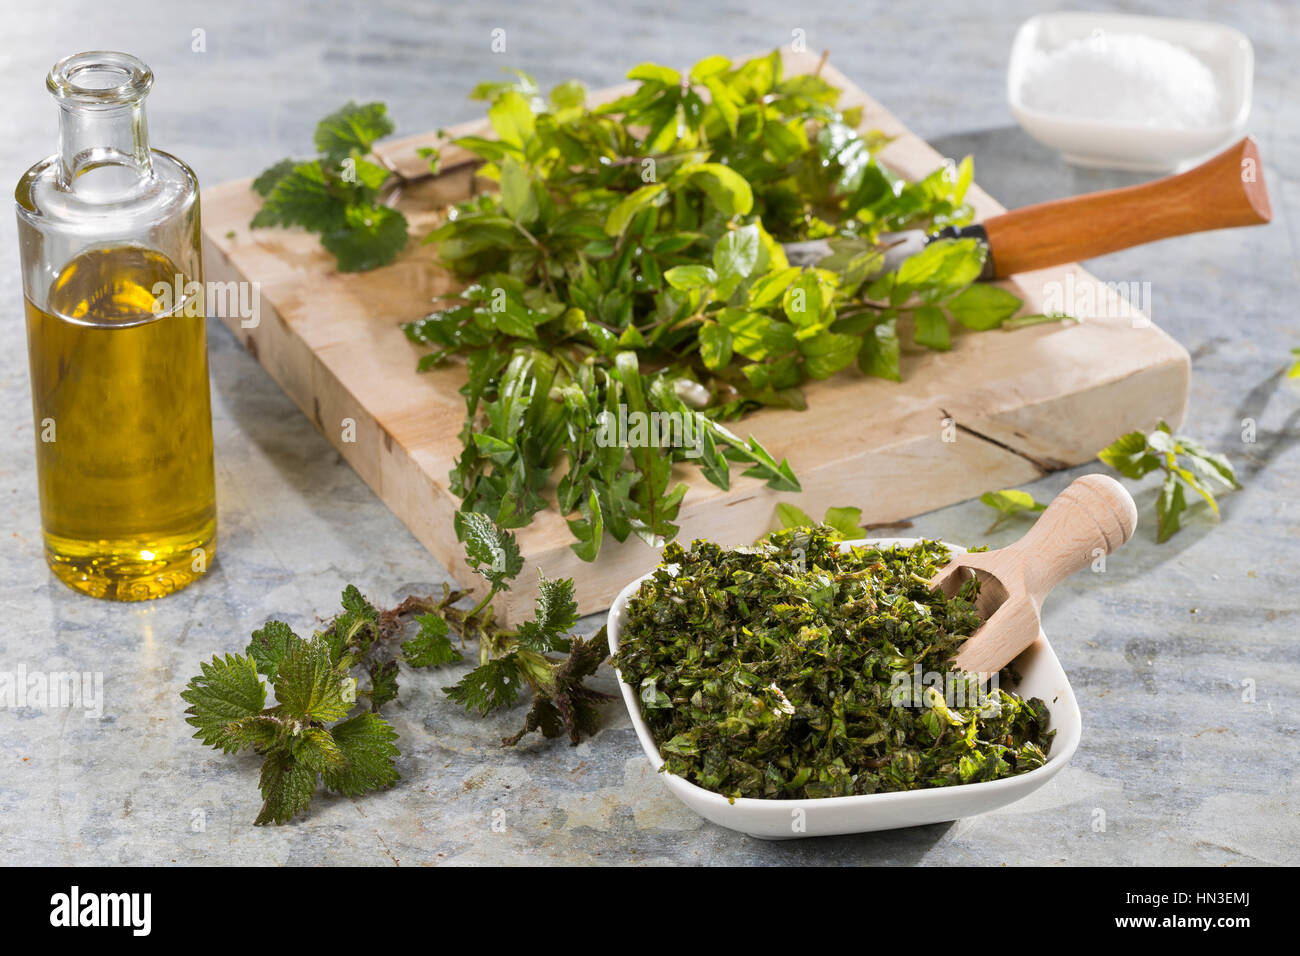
<point>340,194</point>
<point>324,730</point>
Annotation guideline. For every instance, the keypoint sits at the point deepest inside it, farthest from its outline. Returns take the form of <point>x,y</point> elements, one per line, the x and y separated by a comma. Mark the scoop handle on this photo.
<point>1094,516</point>
<point>1227,190</point>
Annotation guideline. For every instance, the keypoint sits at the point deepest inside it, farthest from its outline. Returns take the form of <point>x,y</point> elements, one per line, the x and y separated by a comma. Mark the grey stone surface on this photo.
<point>1182,768</point>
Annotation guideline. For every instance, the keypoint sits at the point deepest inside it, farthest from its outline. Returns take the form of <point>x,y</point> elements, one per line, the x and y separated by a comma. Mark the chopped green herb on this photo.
<point>797,668</point>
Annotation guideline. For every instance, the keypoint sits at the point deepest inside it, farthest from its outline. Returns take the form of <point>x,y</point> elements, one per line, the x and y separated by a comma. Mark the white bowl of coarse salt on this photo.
<point>1129,92</point>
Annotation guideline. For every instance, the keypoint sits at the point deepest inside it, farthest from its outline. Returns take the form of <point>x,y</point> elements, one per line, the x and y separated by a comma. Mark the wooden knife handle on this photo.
<point>1222,192</point>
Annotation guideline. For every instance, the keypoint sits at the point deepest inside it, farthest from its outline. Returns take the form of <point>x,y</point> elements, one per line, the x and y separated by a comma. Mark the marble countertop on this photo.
<point>1185,657</point>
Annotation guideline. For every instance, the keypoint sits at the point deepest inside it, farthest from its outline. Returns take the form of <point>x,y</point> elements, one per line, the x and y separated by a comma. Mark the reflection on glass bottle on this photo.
<point>118,365</point>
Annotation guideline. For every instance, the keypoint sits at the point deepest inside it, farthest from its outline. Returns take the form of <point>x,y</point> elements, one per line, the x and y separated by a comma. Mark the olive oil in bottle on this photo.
<point>109,235</point>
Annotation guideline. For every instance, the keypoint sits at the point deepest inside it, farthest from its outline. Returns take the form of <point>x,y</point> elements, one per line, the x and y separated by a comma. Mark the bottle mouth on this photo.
<point>100,78</point>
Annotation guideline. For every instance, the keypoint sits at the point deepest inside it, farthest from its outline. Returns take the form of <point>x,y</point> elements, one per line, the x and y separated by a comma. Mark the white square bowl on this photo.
<point>1041,675</point>
<point>1085,142</point>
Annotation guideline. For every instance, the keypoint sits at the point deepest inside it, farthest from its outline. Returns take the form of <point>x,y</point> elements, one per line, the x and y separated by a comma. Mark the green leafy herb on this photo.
<point>1008,503</point>
<point>799,668</point>
<point>317,733</point>
<point>627,291</point>
<point>307,737</point>
<point>1186,464</point>
<point>338,194</point>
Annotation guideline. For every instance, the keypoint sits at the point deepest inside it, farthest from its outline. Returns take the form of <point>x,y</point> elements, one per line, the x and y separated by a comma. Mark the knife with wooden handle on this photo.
<point>1222,193</point>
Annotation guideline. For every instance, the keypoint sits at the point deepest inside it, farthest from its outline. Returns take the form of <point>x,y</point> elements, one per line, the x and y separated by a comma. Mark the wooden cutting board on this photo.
<point>1000,409</point>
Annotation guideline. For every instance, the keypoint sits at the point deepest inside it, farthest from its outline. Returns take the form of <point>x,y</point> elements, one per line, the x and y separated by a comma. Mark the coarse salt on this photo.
<point>1124,78</point>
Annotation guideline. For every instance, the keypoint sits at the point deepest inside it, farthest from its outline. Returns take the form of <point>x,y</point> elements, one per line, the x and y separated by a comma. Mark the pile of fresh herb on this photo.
<point>790,670</point>
<point>323,729</point>
<point>630,267</point>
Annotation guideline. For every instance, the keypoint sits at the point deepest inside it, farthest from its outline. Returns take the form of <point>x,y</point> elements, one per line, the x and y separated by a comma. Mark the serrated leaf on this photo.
<point>271,176</point>
<point>372,236</point>
<point>431,646</point>
<point>303,197</point>
<point>307,686</point>
<point>366,743</point>
<point>489,550</point>
<point>269,645</point>
<point>226,690</point>
<point>489,686</point>
<point>556,613</point>
<point>352,129</point>
<point>287,788</point>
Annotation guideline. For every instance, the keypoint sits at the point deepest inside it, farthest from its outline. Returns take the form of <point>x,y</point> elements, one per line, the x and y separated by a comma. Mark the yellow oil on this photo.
<point>123,428</point>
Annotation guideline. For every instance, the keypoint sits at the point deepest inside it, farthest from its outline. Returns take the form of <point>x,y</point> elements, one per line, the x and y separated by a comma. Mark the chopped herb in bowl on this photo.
<point>802,667</point>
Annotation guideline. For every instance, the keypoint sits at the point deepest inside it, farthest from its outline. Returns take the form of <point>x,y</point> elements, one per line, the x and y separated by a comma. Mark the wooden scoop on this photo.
<point>1091,518</point>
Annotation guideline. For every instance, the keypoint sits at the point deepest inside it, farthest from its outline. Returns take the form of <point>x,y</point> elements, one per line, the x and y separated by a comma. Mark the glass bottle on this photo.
<point>109,239</point>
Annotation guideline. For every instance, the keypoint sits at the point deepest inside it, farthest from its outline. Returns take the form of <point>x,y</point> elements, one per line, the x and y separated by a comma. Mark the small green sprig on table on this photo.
<point>324,730</point>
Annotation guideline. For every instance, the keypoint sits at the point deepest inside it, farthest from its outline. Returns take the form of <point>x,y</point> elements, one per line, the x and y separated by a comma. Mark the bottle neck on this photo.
<point>113,142</point>
<point>103,137</point>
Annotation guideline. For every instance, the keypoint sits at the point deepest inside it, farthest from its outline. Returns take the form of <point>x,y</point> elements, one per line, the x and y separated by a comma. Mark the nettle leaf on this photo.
<point>489,550</point>
<point>226,691</point>
<point>517,197</point>
<point>352,130</point>
<point>630,205</point>
<point>556,613</point>
<point>303,197</point>
<point>270,177</point>
<point>982,307</point>
<point>1009,502</point>
<point>269,645</point>
<point>371,237</point>
<point>489,686</point>
<point>365,743</point>
<point>431,647</point>
<point>287,788</point>
<point>307,685</point>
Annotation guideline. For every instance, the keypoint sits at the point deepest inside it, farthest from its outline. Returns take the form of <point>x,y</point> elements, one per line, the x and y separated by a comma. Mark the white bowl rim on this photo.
<point>1225,128</point>
<point>1059,756</point>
